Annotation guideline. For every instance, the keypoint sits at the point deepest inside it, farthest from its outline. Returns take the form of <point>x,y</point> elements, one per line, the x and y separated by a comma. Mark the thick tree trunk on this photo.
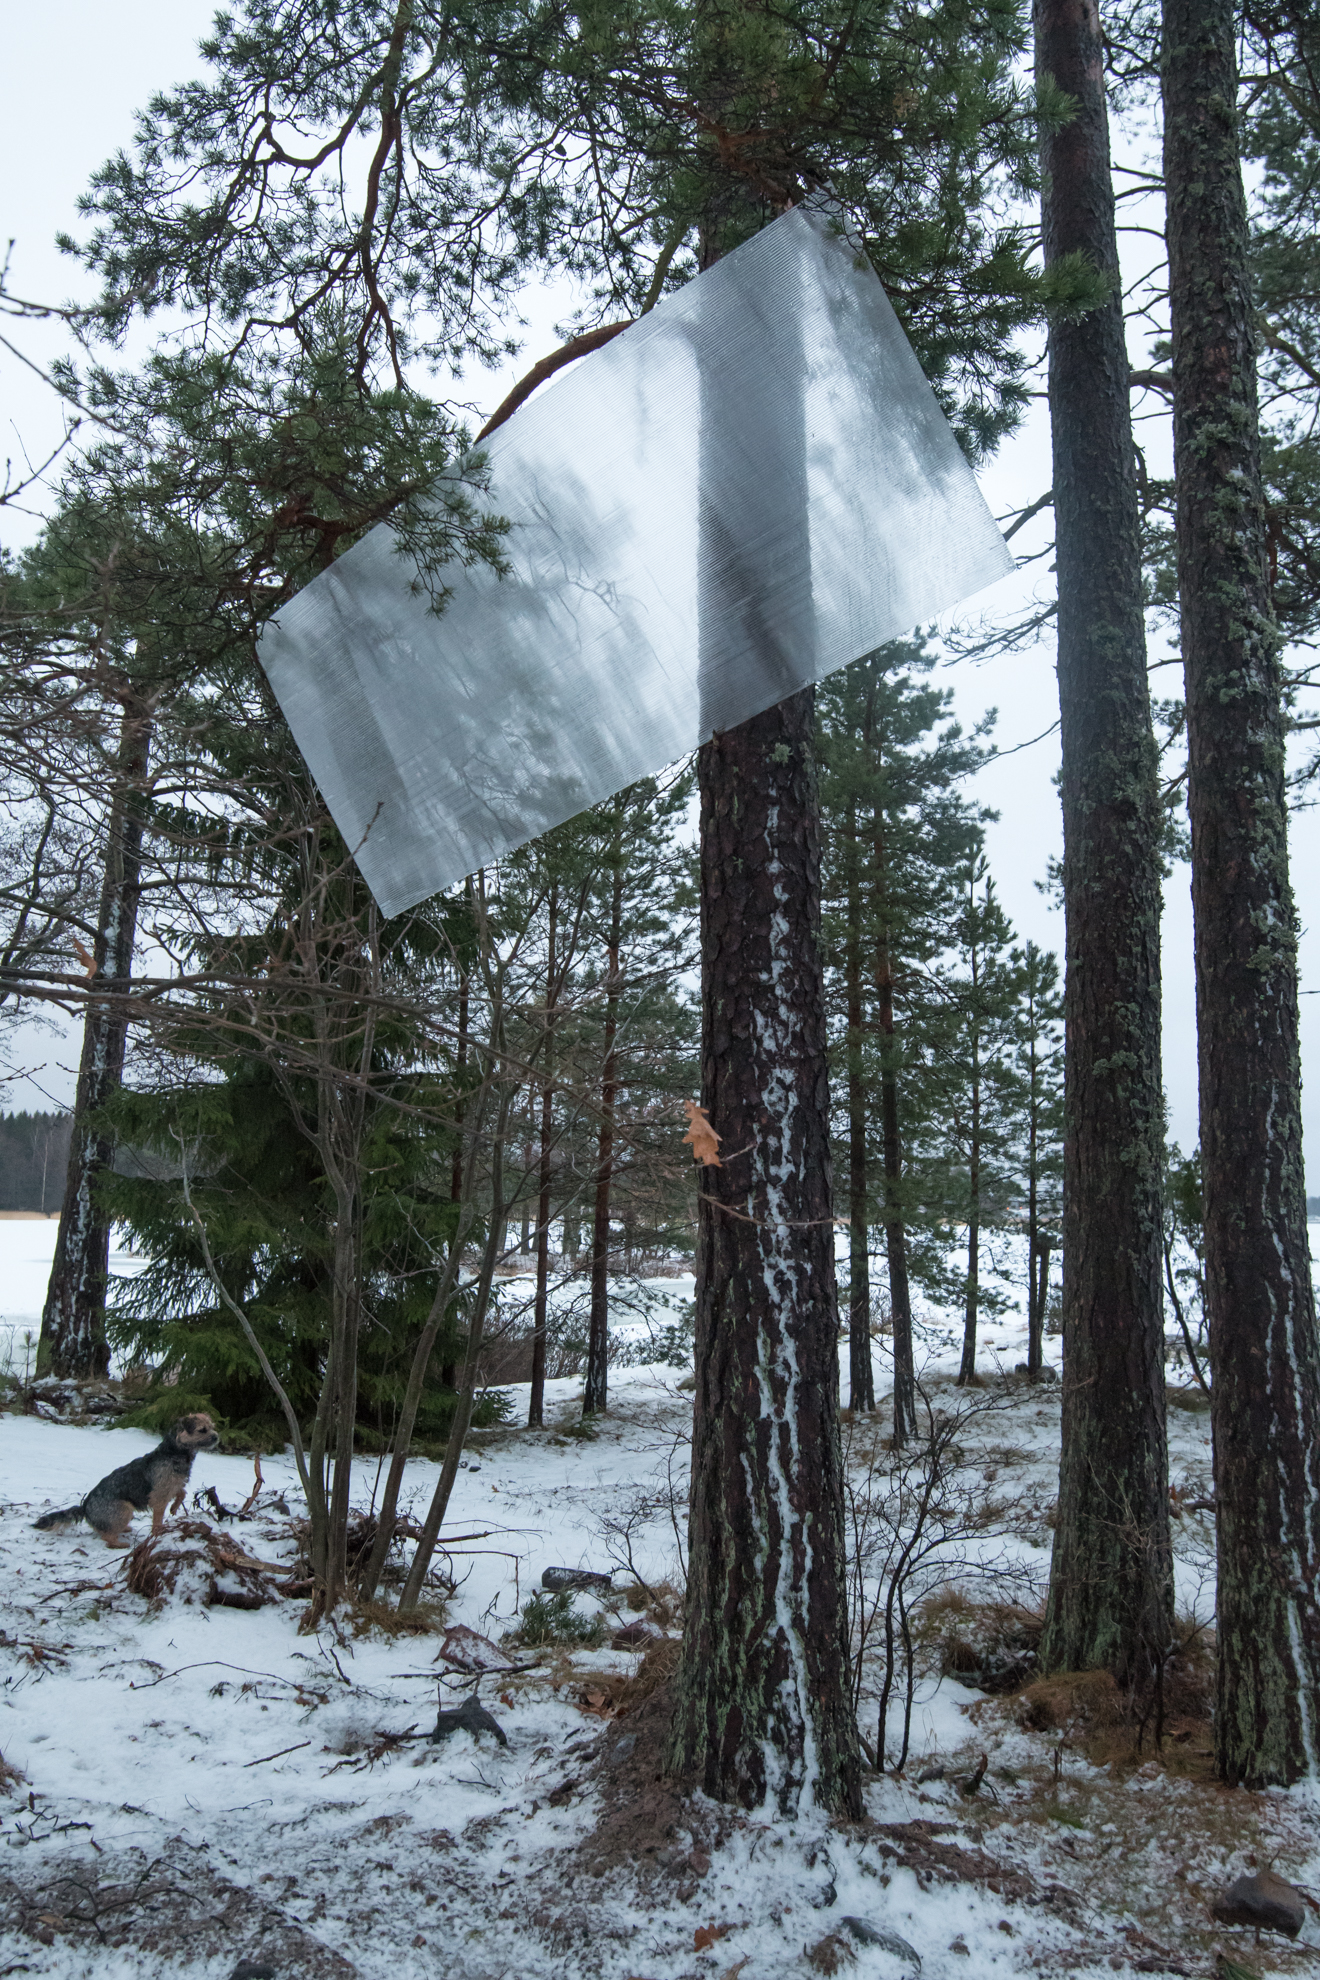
<point>861,1376</point>
<point>1264,1354</point>
<point>763,1706</point>
<point>536,1399</point>
<point>72,1341</point>
<point>1110,1584</point>
<point>598,1333</point>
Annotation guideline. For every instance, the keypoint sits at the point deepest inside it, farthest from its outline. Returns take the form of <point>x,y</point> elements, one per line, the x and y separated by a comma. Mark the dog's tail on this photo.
<point>60,1522</point>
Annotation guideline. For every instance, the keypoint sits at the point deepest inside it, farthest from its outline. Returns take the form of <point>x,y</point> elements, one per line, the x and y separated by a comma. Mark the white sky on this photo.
<point>73,75</point>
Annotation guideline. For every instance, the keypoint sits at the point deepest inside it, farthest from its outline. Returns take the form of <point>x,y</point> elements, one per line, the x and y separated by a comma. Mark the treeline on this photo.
<point>34,1154</point>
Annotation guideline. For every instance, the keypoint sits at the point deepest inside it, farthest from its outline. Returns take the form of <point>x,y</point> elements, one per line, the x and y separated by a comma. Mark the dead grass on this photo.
<point>613,1694</point>
<point>382,1619</point>
<point>991,1645</point>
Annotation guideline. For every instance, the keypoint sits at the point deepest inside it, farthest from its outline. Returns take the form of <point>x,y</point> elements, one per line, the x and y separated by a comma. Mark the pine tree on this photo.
<point>1264,1346</point>
<point>897,830</point>
<point>1038,1065</point>
<point>1110,1600</point>
<point>973,1081</point>
<point>639,945</point>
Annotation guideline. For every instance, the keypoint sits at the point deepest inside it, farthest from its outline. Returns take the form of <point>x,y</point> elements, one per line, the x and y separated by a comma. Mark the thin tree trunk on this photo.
<point>1036,1310</point>
<point>449,1363</point>
<point>967,1367</point>
<point>598,1335</point>
<point>536,1400</point>
<point>470,1147</point>
<point>900,1296</point>
<point>458,1429</point>
<point>1264,1353</point>
<point>1110,1597</point>
<point>1035,1248</point>
<point>861,1377</point>
<point>73,1340</point>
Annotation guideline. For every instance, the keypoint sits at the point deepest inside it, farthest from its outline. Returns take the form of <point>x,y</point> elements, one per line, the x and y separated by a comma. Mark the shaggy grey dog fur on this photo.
<point>158,1480</point>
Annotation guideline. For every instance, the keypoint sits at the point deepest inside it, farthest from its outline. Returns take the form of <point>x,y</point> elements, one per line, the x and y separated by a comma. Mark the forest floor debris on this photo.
<point>289,1786</point>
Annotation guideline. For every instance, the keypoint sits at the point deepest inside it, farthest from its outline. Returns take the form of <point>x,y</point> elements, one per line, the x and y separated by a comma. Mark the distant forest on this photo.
<point>34,1153</point>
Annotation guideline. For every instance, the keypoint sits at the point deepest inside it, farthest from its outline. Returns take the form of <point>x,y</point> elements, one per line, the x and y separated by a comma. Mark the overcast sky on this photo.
<point>74,74</point>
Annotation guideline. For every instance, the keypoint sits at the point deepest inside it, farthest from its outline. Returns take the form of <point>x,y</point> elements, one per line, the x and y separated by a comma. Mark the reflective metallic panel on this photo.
<point>750,487</point>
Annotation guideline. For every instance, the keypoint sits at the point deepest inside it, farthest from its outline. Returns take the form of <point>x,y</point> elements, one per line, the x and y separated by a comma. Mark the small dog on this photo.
<point>158,1480</point>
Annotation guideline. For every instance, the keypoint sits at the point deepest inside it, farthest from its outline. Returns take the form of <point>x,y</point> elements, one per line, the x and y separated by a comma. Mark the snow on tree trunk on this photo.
<point>1265,1358</point>
<point>1110,1585</point>
<point>763,1708</point>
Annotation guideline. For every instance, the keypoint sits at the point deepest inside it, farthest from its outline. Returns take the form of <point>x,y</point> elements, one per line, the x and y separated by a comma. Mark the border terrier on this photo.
<point>158,1480</point>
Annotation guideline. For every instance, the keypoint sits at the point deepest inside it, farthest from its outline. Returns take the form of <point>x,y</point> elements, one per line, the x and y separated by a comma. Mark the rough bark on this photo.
<point>596,1393</point>
<point>763,1708</point>
<point>861,1376</point>
<point>1264,1354</point>
<point>1110,1590</point>
<point>73,1341</point>
<point>763,1698</point>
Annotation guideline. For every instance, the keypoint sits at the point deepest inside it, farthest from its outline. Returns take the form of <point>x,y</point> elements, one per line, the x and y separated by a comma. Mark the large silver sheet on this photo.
<point>747,489</point>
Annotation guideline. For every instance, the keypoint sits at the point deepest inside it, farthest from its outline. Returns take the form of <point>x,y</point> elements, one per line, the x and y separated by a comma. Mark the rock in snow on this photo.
<point>1263,1900</point>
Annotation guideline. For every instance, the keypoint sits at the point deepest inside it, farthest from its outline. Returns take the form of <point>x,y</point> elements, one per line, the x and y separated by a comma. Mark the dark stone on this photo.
<point>635,1635</point>
<point>868,1934</point>
<point>252,1969</point>
<point>553,1579</point>
<point>1262,1900</point>
<point>471,1716</point>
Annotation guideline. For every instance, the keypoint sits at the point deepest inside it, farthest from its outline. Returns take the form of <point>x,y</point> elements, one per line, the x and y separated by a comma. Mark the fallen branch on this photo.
<point>278,1756</point>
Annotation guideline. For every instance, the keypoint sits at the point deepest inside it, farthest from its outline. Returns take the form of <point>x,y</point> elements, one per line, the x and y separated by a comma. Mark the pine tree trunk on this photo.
<point>596,1392</point>
<point>764,1710</point>
<point>73,1341</point>
<point>449,1351</point>
<point>1037,1252</point>
<point>900,1296</point>
<point>1110,1582</point>
<point>967,1368</point>
<point>763,1705</point>
<point>1264,1355</point>
<point>861,1377</point>
<point>536,1400</point>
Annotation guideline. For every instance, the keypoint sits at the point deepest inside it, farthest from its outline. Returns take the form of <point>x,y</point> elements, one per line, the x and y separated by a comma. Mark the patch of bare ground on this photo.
<point>175,1907</point>
<point>1141,1831</point>
<point>649,1825</point>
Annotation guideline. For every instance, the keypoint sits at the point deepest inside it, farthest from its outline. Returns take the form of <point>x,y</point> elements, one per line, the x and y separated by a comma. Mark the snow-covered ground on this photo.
<point>216,1787</point>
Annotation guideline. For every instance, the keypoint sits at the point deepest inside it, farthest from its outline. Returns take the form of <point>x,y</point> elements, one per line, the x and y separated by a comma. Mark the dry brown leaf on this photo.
<point>706,1935</point>
<point>705,1142</point>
